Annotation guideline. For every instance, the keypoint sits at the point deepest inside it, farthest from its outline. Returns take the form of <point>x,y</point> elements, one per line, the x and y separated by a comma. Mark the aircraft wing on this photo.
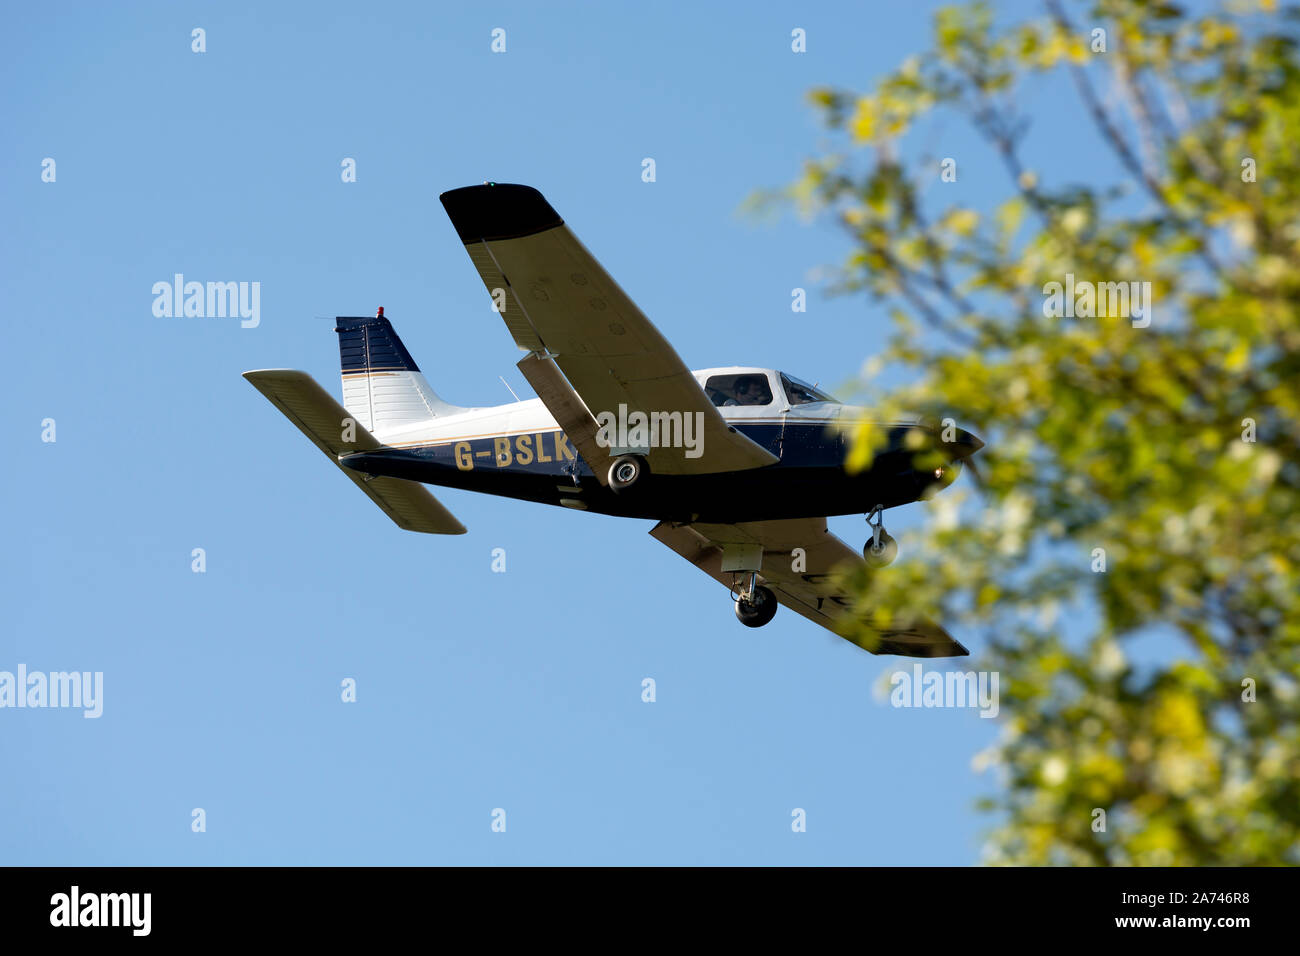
<point>559,303</point>
<point>812,591</point>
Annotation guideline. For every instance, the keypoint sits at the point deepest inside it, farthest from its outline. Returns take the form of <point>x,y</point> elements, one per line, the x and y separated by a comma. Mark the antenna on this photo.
<point>508,388</point>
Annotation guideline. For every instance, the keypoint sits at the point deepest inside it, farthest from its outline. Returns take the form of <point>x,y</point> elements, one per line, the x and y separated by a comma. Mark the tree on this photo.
<point>1141,473</point>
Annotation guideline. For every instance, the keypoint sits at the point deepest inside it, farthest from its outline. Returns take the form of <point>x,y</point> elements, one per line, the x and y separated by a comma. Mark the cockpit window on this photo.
<point>801,393</point>
<point>747,388</point>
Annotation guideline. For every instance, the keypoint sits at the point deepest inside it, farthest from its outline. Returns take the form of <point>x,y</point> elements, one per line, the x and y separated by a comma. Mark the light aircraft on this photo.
<point>740,466</point>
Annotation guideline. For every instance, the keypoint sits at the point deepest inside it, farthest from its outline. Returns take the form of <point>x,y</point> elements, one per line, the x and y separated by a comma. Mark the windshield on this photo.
<point>801,393</point>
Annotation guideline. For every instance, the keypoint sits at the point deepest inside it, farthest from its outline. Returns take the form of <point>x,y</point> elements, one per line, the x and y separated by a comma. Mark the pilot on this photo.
<point>748,390</point>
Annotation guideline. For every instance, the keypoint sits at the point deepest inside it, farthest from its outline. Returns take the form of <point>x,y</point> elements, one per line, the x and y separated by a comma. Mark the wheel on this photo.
<point>625,472</point>
<point>880,556</point>
<point>760,611</point>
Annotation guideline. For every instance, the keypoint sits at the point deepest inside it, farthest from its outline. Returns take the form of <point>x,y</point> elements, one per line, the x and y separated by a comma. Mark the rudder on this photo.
<point>383,388</point>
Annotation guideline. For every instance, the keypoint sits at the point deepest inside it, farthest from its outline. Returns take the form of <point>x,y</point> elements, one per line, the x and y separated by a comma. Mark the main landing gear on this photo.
<point>626,472</point>
<point>756,606</point>
<point>881,549</point>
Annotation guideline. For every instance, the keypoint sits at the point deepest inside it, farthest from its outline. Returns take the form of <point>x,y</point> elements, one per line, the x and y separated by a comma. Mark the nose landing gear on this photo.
<point>881,549</point>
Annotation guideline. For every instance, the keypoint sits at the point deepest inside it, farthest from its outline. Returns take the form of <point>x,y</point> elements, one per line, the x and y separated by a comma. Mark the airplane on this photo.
<point>739,466</point>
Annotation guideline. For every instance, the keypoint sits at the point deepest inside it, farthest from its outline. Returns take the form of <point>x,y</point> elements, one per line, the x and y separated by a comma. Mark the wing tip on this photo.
<point>496,211</point>
<point>458,529</point>
<point>951,649</point>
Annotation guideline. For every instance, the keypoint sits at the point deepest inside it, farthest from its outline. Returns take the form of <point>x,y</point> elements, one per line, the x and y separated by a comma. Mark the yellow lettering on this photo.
<point>562,445</point>
<point>503,455</point>
<point>464,460</point>
<point>524,447</point>
<point>541,451</point>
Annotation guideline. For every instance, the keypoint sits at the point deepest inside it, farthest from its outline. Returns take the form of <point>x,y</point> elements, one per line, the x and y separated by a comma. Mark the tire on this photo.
<point>885,554</point>
<point>760,612</point>
<point>626,472</point>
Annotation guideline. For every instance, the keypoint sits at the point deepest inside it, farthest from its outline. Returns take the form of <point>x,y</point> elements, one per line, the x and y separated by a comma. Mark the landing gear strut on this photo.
<point>881,549</point>
<point>756,606</point>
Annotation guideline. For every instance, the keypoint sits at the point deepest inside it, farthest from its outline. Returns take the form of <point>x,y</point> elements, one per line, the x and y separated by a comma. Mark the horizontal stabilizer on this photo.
<point>336,433</point>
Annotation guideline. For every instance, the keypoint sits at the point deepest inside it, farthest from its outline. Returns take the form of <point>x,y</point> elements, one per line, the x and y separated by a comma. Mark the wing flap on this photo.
<point>570,413</point>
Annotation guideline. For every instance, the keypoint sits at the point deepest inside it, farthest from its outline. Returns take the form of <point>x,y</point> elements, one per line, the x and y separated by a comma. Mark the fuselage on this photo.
<point>518,451</point>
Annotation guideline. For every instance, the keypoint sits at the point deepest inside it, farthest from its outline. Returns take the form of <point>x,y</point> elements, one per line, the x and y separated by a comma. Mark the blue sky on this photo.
<point>476,690</point>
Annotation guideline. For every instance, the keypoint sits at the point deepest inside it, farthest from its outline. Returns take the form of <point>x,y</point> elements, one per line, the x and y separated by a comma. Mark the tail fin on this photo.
<point>383,388</point>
